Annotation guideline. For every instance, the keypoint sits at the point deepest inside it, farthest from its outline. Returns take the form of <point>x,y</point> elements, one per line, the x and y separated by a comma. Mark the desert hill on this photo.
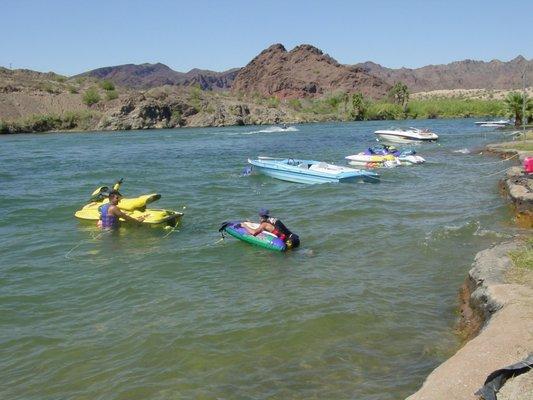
<point>305,71</point>
<point>145,76</point>
<point>467,74</point>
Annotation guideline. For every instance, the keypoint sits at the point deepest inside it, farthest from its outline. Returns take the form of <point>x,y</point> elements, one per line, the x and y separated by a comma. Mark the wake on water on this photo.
<point>273,129</point>
<point>462,151</point>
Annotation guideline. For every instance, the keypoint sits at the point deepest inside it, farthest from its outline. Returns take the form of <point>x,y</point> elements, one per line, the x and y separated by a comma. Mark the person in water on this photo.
<point>276,227</point>
<point>110,213</point>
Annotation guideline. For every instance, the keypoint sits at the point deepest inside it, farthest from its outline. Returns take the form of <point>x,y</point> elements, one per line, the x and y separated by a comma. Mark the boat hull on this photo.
<point>313,175</point>
<point>406,135</point>
<point>390,137</point>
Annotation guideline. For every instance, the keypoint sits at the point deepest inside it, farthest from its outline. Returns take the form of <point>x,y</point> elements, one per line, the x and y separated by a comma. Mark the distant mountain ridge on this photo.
<point>467,74</point>
<point>146,76</point>
<point>306,71</point>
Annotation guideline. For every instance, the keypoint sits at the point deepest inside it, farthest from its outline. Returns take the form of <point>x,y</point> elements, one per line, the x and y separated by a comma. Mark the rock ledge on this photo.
<point>505,338</point>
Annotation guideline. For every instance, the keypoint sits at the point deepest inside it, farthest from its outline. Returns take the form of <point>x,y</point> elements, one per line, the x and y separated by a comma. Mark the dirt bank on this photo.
<point>505,338</point>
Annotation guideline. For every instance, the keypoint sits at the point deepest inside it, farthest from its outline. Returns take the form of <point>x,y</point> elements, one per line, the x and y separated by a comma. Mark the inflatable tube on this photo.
<point>265,240</point>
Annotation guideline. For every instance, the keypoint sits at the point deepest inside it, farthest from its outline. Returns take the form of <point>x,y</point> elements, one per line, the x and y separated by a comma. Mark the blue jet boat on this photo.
<point>309,171</point>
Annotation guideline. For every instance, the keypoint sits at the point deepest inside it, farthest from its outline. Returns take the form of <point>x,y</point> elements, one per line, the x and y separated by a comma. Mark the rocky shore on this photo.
<point>497,307</point>
<point>505,336</point>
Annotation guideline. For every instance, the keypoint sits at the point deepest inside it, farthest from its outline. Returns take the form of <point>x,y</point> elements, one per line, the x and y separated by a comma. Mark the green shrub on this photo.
<point>4,127</point>
<point>295,104</point>
<point>50,122</point>
<point>257,98</point>
<point>41,123</point>
<point>48,87</point>
<point>382,111</point>
<point>318,106</point>
<point>72,89</point>
<point>273,102</point>
<point>76,120</point>
<point>523,257</point>
<point>359,107</point>
<point>333,101</point>
<point>91,96</point>
<point>107,85</point>
<point>175,117</point>
<point>111,95</point>
<point>399,94</point>
<point>60,78</point>
<point>455,107</point>
<point>195,97</point>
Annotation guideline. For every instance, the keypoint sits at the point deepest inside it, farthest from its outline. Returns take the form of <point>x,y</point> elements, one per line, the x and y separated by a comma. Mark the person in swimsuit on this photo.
<point>110,213</point>
<point>276,227</point>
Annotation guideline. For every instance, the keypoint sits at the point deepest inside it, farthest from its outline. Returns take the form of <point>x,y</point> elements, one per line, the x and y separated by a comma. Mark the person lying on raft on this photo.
<point>276,227</point>
<point>110,213</point>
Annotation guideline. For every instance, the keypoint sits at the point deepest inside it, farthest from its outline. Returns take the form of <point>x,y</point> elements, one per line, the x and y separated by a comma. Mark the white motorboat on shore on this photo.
<point>402,135</point>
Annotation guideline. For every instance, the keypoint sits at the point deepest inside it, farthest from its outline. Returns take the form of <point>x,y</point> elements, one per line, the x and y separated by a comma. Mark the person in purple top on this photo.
<point>110,213</point>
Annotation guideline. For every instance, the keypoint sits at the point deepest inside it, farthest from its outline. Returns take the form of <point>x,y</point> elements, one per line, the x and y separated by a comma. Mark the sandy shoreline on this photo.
<point>496,314</point>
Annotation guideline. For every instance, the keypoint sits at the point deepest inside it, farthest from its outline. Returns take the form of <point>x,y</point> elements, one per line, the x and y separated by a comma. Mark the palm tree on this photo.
<point>514,103</point>
<point>359,106</point>
<point>399,94</point>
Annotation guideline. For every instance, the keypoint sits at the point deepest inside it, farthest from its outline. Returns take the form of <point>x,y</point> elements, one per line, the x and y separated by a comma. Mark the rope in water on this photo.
<point>496,173</point>
<point>98,236</point>
<point>93,237</point>
<point>494,162</point>
<point>200,246</point>
<point>512,133</point>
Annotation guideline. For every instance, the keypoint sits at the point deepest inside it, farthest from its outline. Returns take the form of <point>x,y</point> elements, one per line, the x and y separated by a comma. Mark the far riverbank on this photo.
<point>37,105</point>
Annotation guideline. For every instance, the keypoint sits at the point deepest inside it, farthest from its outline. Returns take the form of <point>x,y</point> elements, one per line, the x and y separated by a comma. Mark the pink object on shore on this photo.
<point>528,165</point>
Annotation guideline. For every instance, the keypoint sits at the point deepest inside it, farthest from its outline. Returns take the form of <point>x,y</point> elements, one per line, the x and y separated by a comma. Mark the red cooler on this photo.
<point>528,165</point>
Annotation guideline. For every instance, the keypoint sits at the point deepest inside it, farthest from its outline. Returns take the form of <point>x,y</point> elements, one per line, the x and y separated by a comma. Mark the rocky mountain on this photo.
<point>305,71</point>
<point>144,76</point>
<point>467,74</point>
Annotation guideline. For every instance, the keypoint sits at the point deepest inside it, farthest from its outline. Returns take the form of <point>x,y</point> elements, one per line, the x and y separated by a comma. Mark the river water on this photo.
<point>364,309</point>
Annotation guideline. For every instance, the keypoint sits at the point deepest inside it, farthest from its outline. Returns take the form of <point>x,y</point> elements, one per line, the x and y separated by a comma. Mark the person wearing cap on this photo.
<point>110,213</point>
<point>276,227</point>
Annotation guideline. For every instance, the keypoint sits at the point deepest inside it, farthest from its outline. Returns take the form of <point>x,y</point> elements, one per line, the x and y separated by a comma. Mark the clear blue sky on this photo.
<point>73,36</point>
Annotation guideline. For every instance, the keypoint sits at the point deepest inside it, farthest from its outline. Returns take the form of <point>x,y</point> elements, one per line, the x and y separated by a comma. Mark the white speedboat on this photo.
<point>494,124</point>
<point>402,135</point>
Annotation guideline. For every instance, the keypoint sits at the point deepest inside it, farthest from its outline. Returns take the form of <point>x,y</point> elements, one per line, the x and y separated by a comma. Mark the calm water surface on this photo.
<point>363,310</point>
